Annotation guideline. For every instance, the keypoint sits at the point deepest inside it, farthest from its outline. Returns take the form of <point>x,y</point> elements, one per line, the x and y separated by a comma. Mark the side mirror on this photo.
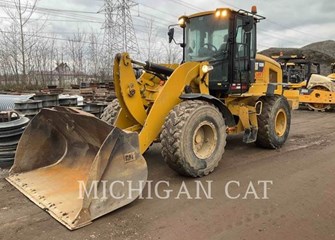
<point>171,35</point>
<point>249,24</point>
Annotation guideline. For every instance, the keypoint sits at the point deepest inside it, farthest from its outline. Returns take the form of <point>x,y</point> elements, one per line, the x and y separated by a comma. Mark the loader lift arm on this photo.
<point>148,120</point>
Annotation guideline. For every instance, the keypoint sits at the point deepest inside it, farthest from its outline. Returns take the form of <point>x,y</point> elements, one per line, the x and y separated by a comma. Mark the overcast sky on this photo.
<point>289,23</point>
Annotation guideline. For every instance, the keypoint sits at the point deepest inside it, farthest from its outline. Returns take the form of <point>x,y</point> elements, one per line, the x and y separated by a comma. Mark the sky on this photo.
<point>289,23</point>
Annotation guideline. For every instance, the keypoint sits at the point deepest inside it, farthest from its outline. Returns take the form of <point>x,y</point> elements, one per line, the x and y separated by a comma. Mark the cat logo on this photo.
<point>129,157</point>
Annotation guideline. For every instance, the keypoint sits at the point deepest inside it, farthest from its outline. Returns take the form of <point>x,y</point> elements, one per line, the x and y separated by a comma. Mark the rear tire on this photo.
<point>111,112</point>
<point>274,122</point>
<point>193,138</point>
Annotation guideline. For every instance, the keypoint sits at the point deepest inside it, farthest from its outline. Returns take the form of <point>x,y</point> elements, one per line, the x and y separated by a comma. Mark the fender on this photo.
<point>228,116</point>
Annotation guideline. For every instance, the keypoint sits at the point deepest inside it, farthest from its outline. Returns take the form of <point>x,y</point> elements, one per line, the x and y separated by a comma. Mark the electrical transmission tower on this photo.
<point>119,28</point>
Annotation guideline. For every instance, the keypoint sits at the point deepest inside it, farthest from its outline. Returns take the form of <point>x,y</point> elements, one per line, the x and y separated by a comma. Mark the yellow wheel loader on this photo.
<point>221,87</point>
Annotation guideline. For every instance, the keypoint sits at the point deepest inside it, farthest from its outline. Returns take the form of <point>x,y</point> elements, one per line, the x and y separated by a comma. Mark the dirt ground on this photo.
<point>301,202</point>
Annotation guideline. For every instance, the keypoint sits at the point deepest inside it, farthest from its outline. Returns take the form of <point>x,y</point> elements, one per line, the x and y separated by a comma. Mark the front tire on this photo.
<point>274,122</point>
<point>193,138</point>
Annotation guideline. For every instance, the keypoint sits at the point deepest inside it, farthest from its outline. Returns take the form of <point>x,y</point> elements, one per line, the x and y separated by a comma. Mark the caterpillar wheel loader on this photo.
<point>219,88</point>
<point>317,92</point>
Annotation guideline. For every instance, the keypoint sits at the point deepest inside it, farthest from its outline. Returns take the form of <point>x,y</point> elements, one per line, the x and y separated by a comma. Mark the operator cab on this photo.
<point>227,40</point>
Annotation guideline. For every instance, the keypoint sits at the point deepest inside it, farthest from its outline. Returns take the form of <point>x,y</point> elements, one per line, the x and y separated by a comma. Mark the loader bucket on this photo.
<point>67,163</point>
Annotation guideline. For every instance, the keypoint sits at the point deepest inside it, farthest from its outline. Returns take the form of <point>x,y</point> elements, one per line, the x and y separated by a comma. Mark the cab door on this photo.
<point>244,54</point>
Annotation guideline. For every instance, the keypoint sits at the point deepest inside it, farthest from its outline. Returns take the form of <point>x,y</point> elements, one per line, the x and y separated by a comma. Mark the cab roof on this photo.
<point>241,12</point>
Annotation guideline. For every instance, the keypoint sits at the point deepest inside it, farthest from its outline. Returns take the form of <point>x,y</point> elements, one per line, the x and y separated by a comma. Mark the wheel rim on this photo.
<point>319,106</point>
<point>204,140</point>
<point>281,123</point>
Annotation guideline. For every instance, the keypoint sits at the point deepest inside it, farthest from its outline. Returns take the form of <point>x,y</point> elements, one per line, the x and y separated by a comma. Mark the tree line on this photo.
<point>31,56</point>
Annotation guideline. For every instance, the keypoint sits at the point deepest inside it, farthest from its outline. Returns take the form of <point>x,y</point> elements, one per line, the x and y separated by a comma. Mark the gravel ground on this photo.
<point>301,202</point>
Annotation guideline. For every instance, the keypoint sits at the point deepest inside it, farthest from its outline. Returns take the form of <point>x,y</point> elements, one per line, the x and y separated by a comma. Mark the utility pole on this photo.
<point>119,29</point>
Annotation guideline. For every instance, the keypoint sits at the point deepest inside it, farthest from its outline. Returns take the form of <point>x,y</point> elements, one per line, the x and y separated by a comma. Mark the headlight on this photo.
<point>207,68</point>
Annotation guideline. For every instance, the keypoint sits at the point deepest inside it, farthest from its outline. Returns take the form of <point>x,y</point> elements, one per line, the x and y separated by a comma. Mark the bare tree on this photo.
<point>27,54</point>
<point>94,54</point>
<point>77,51</point>
<point>20,13</point>
<point>42,63</point>
<point>10,47</point>
<point>173,53</point>
<point>149,49</point>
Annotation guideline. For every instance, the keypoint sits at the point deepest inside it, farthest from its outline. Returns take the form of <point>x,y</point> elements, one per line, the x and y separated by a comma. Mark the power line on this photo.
<point>308,35</point>
<point>55,20</point>
<point>277,37</point>
<point>292,29</point>
<point>86,16</point>
<point>51,9</point>
<point>61,39</point>
<point>186,4</point>
<point>72,14</point>
<point>158,10</point>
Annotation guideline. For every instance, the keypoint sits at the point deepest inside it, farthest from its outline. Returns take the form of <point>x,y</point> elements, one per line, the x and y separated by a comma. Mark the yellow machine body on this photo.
<point>146,102</point>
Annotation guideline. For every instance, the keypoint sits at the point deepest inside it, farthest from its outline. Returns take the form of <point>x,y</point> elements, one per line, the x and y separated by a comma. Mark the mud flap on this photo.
<point>76,167</point>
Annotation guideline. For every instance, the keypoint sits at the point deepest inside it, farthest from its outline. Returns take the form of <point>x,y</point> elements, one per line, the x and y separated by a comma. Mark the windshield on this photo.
<point>206,38</point>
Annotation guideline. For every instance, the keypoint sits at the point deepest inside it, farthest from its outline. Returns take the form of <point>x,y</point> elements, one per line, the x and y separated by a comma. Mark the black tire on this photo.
<point>274,109</point>
<point>111,112</point>
<point>183,146</point>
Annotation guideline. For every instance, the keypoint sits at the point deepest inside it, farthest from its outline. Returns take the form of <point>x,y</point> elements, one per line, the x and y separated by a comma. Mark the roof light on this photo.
<point>254,10</point>
<point>221,13</point>
<point>224,13</point>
